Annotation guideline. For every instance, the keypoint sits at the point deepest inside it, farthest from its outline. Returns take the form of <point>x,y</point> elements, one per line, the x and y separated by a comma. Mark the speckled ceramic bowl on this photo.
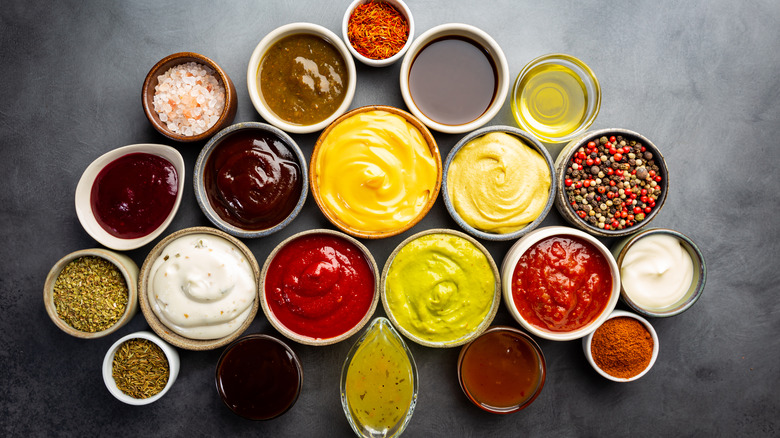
<point>202,193</point>
<point>403,9</point>
<point>448,194</point>
<point>151,81</point>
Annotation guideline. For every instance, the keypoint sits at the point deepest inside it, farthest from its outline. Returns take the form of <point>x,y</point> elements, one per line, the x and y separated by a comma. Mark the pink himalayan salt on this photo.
<point>189,98</point>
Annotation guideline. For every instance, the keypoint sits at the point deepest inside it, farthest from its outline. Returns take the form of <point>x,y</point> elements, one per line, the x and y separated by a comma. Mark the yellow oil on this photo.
<point>551,100</point>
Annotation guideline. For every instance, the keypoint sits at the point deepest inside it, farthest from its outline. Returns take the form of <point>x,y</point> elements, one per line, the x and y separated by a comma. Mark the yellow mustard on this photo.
<point>498,184</point>
<point>440,287</point>
<point>375,172</point>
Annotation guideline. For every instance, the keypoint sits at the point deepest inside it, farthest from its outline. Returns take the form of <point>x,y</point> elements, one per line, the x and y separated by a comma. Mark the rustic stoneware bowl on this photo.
<point>174,363</point>
<point>308,340</point>
<point>490,46</point>
<point>158,326</point>
<point>446,188</point>
<point>403,9</point>
<point>314,178</point>
<point>84,194</point>
<point>586,347</point>
<point>476,330</point>
<point>255,92</point>
<point>513,257</point>
<point>696,289</point>
<point>201,194</point>
<point>565,158</point>
<point>151,81</point>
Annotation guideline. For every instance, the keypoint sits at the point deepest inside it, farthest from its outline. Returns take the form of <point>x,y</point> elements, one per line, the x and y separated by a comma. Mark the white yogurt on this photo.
<point>656,271</point>
<point>202,287</point>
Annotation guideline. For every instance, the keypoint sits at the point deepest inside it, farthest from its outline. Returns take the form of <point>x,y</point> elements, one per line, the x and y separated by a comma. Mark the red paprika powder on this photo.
<point>622,347</point>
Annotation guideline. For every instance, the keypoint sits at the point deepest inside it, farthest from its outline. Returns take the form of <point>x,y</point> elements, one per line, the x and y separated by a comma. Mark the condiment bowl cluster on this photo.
<point>171,355</point>
<point>499,192</point>
<point>587,342</point>
<point>126,267</point>
<point>403,9</point>
<point>84,194</point>
<point>255,89</point>
<point>148,92</point>
<point>699,275</point>
<point>522,316</point>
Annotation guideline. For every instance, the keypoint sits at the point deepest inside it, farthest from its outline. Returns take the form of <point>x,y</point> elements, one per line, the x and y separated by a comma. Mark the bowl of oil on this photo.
<point>555,97</point>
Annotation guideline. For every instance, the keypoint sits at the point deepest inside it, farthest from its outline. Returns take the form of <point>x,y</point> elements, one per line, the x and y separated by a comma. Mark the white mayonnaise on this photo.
<point>656,271</point>
<point>202,287</point>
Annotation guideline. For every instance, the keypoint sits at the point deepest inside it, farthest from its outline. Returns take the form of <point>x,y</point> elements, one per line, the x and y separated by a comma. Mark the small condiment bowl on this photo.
<point>84,194</point>
<point>513,256</point>
<point>586,347</point>
<point>202,193</point>
<point>174,363</point>
<point>585,76</point>
<point>124,264</point>
<point>565,158</point>
<point>170,61</point>
<point>477,329</point>
<point>403,9</point>
<point>309,340</point>
<point>621,247</point>
<point>470,33</point>
<point>158,326</point>
<point>531,142</point>
<point>256,95</point>
<point>314,182</point>
<point>499,369</point>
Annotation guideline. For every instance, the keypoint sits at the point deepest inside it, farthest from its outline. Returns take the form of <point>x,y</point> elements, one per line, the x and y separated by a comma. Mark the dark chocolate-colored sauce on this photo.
<point>453,80</point>
<point>259,377</point>
<point>253,179</point>
<point>134,194</point>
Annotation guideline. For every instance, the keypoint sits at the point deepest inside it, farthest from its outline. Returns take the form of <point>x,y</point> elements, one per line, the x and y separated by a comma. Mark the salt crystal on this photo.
<point>187,86</point>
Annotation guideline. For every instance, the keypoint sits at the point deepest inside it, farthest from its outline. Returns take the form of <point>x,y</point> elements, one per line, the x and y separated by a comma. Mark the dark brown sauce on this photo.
<point>259,377</point>
<point>453,80</point>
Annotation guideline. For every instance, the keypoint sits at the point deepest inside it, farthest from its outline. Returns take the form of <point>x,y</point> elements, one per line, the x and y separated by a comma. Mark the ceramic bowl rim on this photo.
<point>402,7</point>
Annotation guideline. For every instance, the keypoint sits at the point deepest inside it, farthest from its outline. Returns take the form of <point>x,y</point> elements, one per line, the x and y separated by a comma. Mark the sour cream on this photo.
<point>656,271</point>
<point>202,287</point>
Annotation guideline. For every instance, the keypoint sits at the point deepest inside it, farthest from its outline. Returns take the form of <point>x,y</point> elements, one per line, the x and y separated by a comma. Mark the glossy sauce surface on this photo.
<point>253,179</point>
<point>134,194</point>
<point>561,283</point>
<point>319,285</point>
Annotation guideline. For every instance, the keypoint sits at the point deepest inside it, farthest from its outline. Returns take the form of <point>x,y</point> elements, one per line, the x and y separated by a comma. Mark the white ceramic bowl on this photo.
<point>403,9</point>
<point>521,246</point>
<point>269,40</point>
<point>173,366</point>
<point>586,343</point>
<point>476,35</point>
<point>84,190</point>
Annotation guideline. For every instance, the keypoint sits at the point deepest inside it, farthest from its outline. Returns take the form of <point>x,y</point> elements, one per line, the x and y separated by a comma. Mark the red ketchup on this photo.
<point>561,284</point>
<point>134,194</point>
<point>319,286</point>
<point>253,179</point>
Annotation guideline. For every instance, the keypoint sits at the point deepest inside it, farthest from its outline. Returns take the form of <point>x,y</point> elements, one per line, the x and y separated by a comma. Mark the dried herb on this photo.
<point>377,30</point>
<point>140,368</point>
<point>90,294</point>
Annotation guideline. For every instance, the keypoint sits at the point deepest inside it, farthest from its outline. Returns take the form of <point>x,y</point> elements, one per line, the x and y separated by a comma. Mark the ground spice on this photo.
<point>90,294</point>
<point>140,368</point>
<point>622,347</point>
<point>377,30</point>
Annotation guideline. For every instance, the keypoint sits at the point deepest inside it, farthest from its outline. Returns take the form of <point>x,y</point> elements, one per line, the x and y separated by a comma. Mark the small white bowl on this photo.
<point>403,9</point>
<point>521,246</point>
<point>471,33</point>
<point>586,342</point>
<point>84,194</point>
<point>256,95</point>
<point>108,362</point>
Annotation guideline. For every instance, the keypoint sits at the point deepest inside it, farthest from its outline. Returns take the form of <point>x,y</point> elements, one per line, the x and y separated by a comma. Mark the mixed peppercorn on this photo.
<point>613,183</point>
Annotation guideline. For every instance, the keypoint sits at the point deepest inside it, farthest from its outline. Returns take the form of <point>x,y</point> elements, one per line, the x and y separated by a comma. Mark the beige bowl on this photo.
<point>314,175</point>
<point>129,271</point>
<point>159,327</point>
<point>477,329</point>
<point>309,340</point>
